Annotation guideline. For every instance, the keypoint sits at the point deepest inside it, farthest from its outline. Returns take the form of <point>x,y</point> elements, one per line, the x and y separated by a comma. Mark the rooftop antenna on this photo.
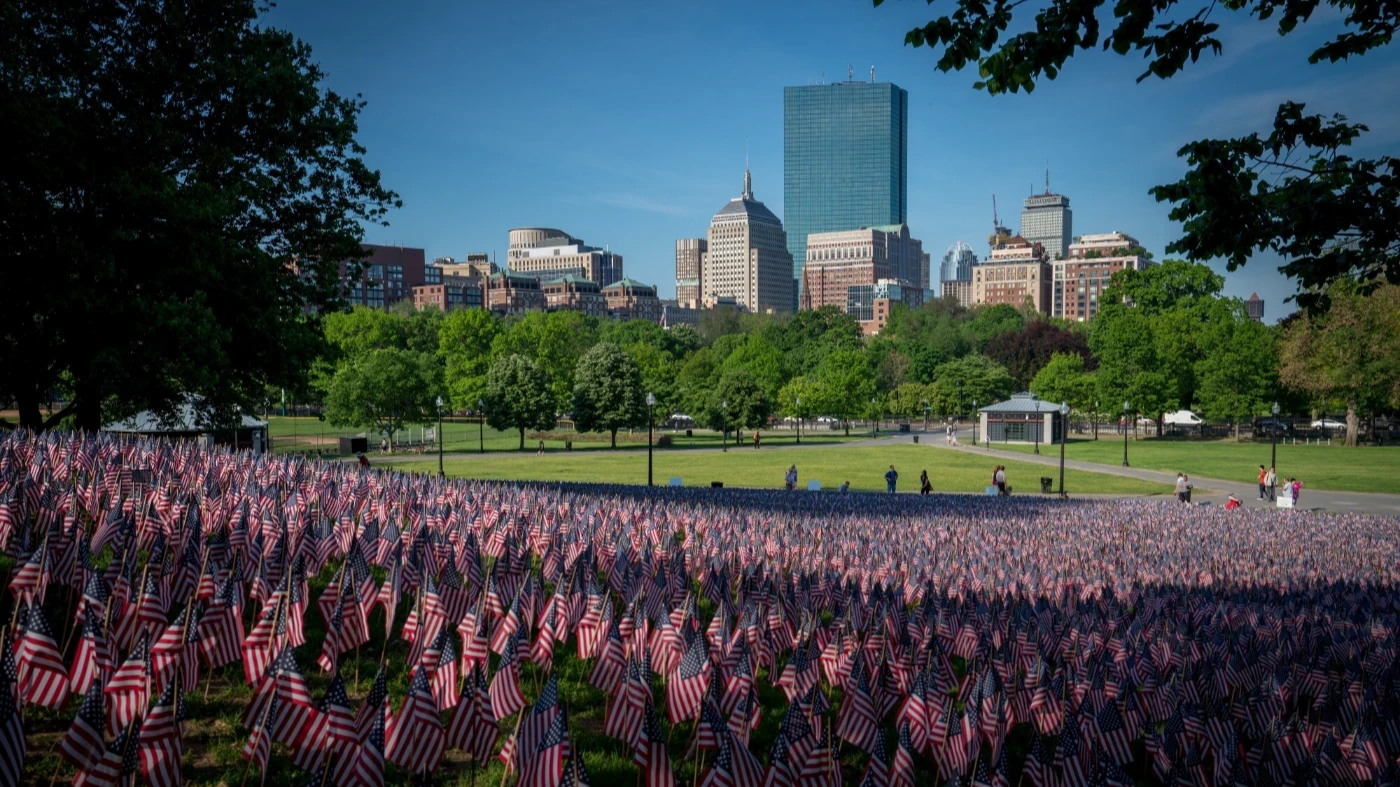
<point>1047,176</point>
<point>850,74</point>
<point>872,75</point>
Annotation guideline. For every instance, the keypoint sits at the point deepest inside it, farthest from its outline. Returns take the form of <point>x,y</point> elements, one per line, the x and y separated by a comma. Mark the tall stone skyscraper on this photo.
<point>845,159</point>
<point>747,260</point>
<point>689,253</point>
<point>1047,220</point>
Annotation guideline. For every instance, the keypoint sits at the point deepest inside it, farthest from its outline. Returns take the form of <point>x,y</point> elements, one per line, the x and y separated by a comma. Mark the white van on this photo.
<point>1182,418</point>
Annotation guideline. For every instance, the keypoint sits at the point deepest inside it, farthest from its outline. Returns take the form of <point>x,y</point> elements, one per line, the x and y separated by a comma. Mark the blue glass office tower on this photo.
<point>845,160</point>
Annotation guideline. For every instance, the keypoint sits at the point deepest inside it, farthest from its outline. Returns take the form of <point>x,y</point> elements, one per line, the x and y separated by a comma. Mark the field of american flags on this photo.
<point>232,611</point>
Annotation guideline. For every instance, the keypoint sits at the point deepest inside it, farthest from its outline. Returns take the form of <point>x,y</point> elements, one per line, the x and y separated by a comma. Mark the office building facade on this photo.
<point>690,252</point>
<point>870,304</point>
<point>546,254</point>
<point>837,261</point>
<point>628,299</point>
<point>1254,307</point>
<point>957,263</point>
<point>575,293</point>
<point>1084,273</point>
<point>1016,274</point>
<point>845,159</point>
<point>1047,220</point>
<point>513,293</point>
<point>747,259</point>
<point>960,291</point>
<point>388,276</point>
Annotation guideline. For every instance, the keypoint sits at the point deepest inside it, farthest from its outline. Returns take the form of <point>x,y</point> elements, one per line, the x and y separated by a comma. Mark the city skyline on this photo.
<point>630,164</point>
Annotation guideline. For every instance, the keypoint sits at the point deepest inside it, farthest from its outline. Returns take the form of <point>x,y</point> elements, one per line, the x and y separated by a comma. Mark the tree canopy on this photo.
<point>519,395</point>
<point>384,389</point>
<point>183,192</point>
<point>608,391</point>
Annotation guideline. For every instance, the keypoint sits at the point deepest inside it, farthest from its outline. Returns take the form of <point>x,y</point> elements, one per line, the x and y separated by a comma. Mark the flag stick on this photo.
<point>515,747</point>
<point>262,726</point>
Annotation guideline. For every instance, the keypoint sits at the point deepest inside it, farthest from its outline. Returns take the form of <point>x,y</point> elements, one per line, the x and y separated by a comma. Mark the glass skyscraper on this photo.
<point>845,160</point>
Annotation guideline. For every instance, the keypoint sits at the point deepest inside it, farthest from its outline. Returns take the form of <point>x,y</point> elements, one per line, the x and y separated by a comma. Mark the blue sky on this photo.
<point>625,123</point>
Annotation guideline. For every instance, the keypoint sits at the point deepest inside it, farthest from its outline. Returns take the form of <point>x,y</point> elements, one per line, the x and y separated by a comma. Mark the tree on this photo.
<point>908,400</point>
<point>1333,217</point>
<point>697,379</point>
<point>1350,354</point>
<point>802,397</point>
<point>518,395</point>
<point>555,341</point>
<point>970,378</point>
<point>1129,367</point>
<point>761,360</point>
<point>849,384</point>
<point>187,192</point>
<point>990,321</point>
<point>659,377</point>
<point>384,389</point>
<point>1026,351</point>
<point>1238,378</point>
<point>1174,284</point>
<point>738,402</point>
<point>465,339</point>
<point>608,391</point>
<point>1064,379</point>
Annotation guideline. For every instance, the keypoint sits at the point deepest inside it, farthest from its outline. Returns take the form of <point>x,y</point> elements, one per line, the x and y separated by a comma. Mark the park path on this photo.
<point>1213,490</point>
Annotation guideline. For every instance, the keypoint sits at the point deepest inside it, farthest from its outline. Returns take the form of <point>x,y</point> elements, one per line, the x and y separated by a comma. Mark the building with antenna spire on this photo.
<point>845,159</point>
<point>746,259</point>
<point>1047,220</point>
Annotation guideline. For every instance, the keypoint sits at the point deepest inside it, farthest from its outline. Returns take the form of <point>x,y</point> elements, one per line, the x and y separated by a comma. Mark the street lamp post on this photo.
<point>1038,423</point>
<point>651,402</point>
<point>481,427</point>
<point>724,425</point>
<point>1096,419</point>
<point>975,419</point>
<point>874,419</point>
<point>1273,430</point>
<point>960,410</point>
<point>1125,433</point>
<point>1064,433</point>
<point>926,415</point>
<point>439,437</point>
<point>799,420</point>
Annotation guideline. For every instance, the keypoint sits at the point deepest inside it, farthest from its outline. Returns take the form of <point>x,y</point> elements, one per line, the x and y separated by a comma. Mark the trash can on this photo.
<point>354,445</point>
<point>716,484</point>
<point>916,438</point>
<point>688,433</point>
<point>1046,482</point>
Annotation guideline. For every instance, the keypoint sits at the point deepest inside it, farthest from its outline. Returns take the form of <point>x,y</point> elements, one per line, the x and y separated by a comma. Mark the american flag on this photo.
<point>857,721</point>
<point>129,690</point>
<point>118,762</point>
<point>902,771</point>
<point>13,747</point>
<point>416,741</point>
<point>43,677</point>
<point>506,698</point>
<point>84,743</point>
<point>543,764</point>
<point>649,751</point>
<point>162,739</point>
<point>365,766</point>
<point>734,765</point>
<point>474,727</point>
<point>686,688</point>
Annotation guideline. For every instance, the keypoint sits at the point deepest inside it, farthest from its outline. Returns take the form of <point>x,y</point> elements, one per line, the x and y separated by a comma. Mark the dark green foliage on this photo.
<point>180,192</point>
<point>608,391</point>
<point>519,396</point>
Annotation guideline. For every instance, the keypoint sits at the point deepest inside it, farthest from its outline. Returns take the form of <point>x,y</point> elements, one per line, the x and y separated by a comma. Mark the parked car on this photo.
<point>1182,418</point>
<point>1145,421</point>
<point>1265,427</point>
<point>1328,423</point>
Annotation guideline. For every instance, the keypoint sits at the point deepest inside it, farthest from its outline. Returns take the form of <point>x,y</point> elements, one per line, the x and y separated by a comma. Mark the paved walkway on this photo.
<point>1212,490</point>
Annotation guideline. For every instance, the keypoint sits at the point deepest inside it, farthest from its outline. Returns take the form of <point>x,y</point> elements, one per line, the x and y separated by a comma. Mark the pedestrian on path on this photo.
<point>1271,483</point>
<point>890,478</point>
<point>1294,488</point>
<point>999,481</point>
<point>1263,482</point>
<point>1183,488</point>
<point>790,478</point>
<point>541,451</point>
<point>924,486</point>
<point>755,438</point>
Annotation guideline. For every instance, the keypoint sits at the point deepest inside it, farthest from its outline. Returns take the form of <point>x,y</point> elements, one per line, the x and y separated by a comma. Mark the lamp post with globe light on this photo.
<point>651,402</point>
<point>1064,433</point>
<point>1273,430</point>
<point>481,427</point>
<point>439,437</point>
<point>975,419</point>
<point>1125,433</point>
<point>799,420</point>
<point>1039,423</point>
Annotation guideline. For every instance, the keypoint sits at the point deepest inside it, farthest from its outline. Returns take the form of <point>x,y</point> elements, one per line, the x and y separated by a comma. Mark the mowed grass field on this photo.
<point>1360,469</point>
<point>214,733</point>
<point>305,433</point>
<point>864,466</point>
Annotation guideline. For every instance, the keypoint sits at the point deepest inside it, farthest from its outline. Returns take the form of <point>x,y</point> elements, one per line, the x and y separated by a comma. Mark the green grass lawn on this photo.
<point>1362,469</point>
<point>863,466</point>
<point>305,433</point>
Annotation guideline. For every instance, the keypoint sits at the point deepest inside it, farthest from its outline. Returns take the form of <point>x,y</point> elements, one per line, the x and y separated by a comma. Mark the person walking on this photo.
<point>755,438</point>
<point>1294,488</point>
<point>790,478</point>
<point>845,487</point>
<point>890,478</point>
<point>1263,481</point>
<point>364,460</point>
<point>540,452</point>
<point>1271,484</point>
<point>999,481</point>
<point>1183,489</point>
<point>924,486</point>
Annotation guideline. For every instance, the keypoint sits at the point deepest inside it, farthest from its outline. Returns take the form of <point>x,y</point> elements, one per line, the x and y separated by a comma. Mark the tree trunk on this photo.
<point>88,400</point>
<point>522,438</point>
<point>614,438</point>
<point>1352,423</point>
<point>30,417</point>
